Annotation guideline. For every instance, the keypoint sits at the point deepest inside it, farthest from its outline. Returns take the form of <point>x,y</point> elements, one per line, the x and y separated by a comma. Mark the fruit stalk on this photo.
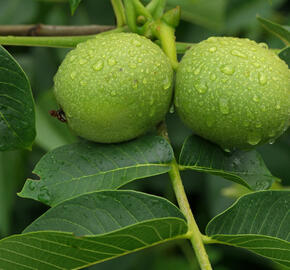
<point>193,234</point>
<point>119,11</point>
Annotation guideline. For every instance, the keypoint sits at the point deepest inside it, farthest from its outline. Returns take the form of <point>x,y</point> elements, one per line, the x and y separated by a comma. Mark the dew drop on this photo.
<point>112,62</point>
<point>227,69</point>
<point>99,65</point>
<point>256,99</point>
<point>212,49</point>
<point>213,77</point>
<point>263,45</point>
<point>200,87</point>
<point>224,107</point>
<point>254,138</point>
<point>262,79</point>
<point>136,43</point>
<point>172,109</point>
<point>139,60</point>
<point>197,71</point>
<point>73,74</point>
<point>271,141</point>
<point>238,53</point>
<point>83,83</point>
<point>166,83</point>
<point>72,58</point>
<point>83,61</point>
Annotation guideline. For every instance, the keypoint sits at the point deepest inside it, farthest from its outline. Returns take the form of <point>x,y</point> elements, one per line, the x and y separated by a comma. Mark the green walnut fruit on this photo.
<point>114,88</point>
<point>233,92</point>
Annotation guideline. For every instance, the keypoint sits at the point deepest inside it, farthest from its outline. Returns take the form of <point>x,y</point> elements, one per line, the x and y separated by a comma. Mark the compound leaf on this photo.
<point>79,168</point>
<point>243,167</point>
<point>258,222</point>
<point>280,31</point>
<point>93,228</point>
<point>285,55</point>
<point>17,116</point>
<point>74,5</point>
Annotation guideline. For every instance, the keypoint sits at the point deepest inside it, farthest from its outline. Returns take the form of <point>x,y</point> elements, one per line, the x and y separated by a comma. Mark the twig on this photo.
<point>52,30</point>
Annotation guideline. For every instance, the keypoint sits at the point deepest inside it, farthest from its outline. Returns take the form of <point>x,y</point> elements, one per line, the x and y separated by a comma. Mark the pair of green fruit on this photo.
<point>233,92</point>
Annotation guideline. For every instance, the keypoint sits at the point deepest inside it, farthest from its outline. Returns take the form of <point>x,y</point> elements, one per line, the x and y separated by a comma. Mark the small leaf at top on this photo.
<point>115,223</point>
<point>79,168</point>
<point>285,55</point>
<point>74,5</point>
<point>246,168</point>
<point>17,116</point>
<point>280,31</point>
<point>258,222</point>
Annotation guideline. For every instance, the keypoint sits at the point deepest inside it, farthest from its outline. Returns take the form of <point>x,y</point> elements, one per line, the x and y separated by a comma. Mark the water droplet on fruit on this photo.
<point>262,79</point>
<point>172,109</point>
<point>166,83</point>
<point>224,107</point>
<point>200,87</point>
<point>213,77</point>
<point>197,71</point>
<point>99,65</point>
<point>136,43</point>
<point>256,99</point>
<point>212,49</point>
<point>263,45</point>
<point>271,141</point>
<point>254,138</point>
<point>72,58</point>
<point>238,53</point>
<point>73,74</point>
<point>112,62</point>
<point>83,61</point>
<point>227,69</point>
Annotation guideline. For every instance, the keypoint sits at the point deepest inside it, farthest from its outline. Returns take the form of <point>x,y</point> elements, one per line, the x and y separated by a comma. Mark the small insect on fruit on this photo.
<point>115,87</point>
<point>59,114</point>
<point>233,92</point>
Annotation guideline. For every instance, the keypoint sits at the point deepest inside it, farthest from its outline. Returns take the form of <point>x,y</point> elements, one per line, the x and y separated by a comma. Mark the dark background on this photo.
<point>208,195</point>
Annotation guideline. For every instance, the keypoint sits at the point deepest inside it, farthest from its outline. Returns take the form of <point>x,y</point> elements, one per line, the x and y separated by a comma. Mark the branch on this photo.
<point>52,30</point>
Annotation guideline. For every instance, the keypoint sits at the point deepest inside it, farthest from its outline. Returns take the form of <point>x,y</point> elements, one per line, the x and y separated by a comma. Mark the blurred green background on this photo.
<point>208,195</point>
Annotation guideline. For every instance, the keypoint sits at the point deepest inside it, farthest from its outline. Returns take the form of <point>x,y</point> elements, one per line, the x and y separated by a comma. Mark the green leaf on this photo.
<point>285,55</point>
<point>210,14</point>
<point>115,223</point>
<point>278,30</point>
<point>75,169</point>
<point>9,181</point>
<point>246,168</point>
<point>17,117</point>
<point>74,5</point>
<point>258,222</point>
